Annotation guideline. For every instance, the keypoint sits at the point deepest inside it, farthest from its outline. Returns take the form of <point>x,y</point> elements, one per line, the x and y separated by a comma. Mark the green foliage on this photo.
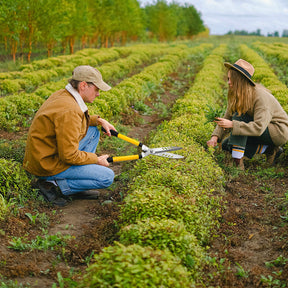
<point>136,266</point>
<point>142,108</point>
<point>12,284</point>
<point>14,182</point>
<point>40,243</point>
<point>211,112</point>
<point>4,209</point>
<point>165,234</point>
<point>9,86</point>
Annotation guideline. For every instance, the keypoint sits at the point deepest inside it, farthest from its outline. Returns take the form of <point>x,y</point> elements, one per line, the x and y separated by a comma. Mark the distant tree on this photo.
<point>193,20</point>
<point>11,25</point>
<point>162,21</point>
<point>275,34</point>
<point>50,33</point>
<point>285,33</point>
<point>31,13</point>
<point>75,24</point>
<point>244,32</point>
<point>129,20</point>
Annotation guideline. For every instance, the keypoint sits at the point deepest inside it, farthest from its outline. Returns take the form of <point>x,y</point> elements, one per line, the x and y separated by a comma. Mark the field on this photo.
<point>194,222</point>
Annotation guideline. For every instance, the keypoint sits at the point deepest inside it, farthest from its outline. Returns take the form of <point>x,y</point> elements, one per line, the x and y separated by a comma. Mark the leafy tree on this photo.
<point>50,33</point>
<point>11,24</point>
<point>193,20</point>
<point>76,23</point>
<point>31,12</point>
<point>162,20</point>
<point>129,19</point>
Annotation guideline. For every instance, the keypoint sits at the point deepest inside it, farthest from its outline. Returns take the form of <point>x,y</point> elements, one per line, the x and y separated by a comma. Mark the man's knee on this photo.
<point>108,179</point>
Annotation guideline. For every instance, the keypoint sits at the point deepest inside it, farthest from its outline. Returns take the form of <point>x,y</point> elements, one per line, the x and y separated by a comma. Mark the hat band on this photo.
<point>243,70</point>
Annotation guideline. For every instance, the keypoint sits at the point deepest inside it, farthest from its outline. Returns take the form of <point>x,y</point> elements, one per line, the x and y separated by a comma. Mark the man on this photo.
<point>63,138</point>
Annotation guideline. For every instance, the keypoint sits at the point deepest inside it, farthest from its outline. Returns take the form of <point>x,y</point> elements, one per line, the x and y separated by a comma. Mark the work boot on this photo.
<point>239,163</point>
<point>92,194</point>
<point>272,153</point>
<point>50,193</point>
<point>88,194</point>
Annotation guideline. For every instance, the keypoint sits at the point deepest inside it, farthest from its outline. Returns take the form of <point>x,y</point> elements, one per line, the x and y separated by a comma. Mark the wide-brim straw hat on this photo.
<point>244,67</point>
<point>90,74</point>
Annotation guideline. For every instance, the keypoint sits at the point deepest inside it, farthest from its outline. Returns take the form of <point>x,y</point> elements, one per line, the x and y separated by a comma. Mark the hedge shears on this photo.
<point>162,151</point>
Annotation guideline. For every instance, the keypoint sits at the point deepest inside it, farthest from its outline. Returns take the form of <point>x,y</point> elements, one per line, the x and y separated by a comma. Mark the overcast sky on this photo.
<point>222,16</point>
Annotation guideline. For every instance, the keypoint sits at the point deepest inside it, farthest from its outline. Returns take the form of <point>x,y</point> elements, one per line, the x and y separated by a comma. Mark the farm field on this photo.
<point>194,222</point>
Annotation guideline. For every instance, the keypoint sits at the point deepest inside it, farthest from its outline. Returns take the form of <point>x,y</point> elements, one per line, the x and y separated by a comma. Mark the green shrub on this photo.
<point>8,115</point>
<point>159,202</point>
<point>3,207</point>
<point>164,234</point>
<point>14,182</point>
<point>137,267</point>
<point>8,86</point>
<point>13,150</point>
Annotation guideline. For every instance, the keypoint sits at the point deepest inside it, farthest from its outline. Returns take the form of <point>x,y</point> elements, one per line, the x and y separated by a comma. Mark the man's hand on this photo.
<point>102,160</point>
<point>213,141</point>
<point>106,125</point>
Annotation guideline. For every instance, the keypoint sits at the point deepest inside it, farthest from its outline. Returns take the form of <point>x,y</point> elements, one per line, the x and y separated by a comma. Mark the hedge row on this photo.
<point>278,50</point>
<point>140,86</point>
<point>18,109</point>
<point>207,90</point>
<point>42,71</point>
<point>170,208</point>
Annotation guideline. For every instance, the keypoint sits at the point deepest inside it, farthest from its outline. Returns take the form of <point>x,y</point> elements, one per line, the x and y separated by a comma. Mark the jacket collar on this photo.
<point>77,97</point>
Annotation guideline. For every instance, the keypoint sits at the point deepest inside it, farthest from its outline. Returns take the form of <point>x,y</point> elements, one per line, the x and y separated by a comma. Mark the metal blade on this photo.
<point>169,155</point>
<point>164,149</point>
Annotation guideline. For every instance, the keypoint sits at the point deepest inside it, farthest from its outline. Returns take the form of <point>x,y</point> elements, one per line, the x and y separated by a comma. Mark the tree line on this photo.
<point>92,23</point>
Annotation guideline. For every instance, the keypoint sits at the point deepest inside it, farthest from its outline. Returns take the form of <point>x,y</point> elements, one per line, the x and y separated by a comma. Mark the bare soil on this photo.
<point>251,233</point>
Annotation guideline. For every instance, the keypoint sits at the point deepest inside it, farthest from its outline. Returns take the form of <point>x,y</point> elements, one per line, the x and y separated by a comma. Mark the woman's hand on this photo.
<point>224,123</point>
<point>213,141</point>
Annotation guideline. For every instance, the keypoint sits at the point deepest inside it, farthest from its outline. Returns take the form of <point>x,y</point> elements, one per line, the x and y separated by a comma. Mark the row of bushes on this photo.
<point>43,71</point>
<point>18,109</point>
<point>140,86</point>
<point>171,211</point>
<point>29,80</point>
<point>278,50</point>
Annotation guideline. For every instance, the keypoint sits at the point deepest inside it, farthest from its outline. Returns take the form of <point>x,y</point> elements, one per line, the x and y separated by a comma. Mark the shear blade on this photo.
<point>164,149</point>
<point>170,155</point>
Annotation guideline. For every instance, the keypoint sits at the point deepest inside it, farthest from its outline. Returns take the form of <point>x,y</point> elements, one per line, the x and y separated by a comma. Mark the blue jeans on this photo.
<point>80,178</point>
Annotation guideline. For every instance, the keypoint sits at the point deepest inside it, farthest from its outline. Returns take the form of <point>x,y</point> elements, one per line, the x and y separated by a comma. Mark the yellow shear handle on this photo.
<point>123,137</point>
<point>128,139</point>
<point>124,158</point>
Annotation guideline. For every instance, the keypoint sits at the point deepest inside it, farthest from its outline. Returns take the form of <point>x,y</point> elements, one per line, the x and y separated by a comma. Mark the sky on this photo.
<point>222,16</point>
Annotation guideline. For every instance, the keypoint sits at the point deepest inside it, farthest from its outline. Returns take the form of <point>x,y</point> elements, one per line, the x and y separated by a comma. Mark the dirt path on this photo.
<point>252,247</point>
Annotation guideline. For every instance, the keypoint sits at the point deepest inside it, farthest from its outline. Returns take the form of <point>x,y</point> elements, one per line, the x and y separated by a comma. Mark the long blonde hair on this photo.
<point>241,94</point>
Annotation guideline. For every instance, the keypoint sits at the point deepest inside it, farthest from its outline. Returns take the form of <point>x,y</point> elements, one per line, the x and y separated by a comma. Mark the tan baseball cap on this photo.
<point>90,74</point>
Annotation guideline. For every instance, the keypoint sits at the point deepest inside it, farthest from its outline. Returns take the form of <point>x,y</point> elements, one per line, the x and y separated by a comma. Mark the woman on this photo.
<point>257,121</point>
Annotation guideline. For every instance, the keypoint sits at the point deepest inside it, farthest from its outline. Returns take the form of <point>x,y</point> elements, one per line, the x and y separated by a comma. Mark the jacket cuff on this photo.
<point>94,120</point>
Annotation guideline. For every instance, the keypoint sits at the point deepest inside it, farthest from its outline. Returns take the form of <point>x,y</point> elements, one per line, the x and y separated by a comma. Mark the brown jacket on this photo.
<point>266,112</point>
<point>54,135</point>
